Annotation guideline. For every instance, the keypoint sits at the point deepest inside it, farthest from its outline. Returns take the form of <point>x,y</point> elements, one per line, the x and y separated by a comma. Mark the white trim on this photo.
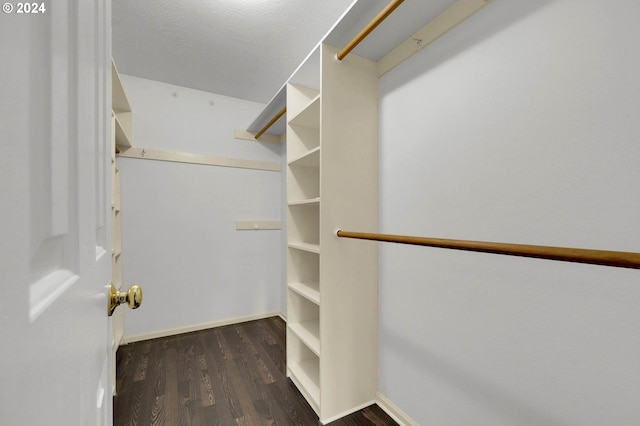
<point>47,290</point>
<point>438,26</point>
<point>394,411</point>
<point>283,316</point>
<point>196,327</point>
<point>100,251</point>
<point>208,160</point>
<point>251,136</point>
<point>257,225</point>
<point>349,411</point>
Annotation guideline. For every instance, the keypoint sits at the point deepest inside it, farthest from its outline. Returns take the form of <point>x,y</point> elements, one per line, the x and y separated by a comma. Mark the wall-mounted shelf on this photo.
<point>410,28</point>
<point>273,107</point>
<point>121,110</point>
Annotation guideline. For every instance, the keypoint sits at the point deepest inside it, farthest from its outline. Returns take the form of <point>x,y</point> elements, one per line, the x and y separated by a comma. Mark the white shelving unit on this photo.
<point>332,183</point>
<point>121,137</point>
<point>121,140</point>
<point>332,149</point>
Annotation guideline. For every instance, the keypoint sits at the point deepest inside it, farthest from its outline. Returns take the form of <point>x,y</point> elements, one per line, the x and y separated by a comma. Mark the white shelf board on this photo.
<point>408,18</point>
<point>273,107</point>
<point>309,116</point>
<point>312,248</point>
<point>308,159</point>
<point>308,202</point>
<point>191,158</point>
<point>251,136</point>
<point>435,27</point>
<point>308,290</point>
<point>309,333</point>
<point>306,376</point>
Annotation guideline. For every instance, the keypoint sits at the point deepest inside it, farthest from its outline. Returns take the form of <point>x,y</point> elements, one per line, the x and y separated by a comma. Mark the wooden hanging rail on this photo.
<point>270,123</point>
<point>384,13</point>
<point>618,259</point>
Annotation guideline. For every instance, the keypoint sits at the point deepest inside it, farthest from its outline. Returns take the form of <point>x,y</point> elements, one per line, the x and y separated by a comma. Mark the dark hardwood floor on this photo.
<point>231,375</point>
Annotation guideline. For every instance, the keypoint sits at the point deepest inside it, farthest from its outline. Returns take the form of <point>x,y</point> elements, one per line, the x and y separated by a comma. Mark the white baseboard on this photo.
<point>283,316</point>
<point>196,327</point>
<point>394,411</point>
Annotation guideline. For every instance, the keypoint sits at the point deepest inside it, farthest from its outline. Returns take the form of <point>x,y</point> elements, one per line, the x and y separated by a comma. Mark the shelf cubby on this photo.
<point>309,116</point>
<point>301,140</point>
<point>303,223</point>
<point>301,101</point>
<point>303,183</point>
<point>304,311</point>
<point>305,375</point>
<point>302,267</point>
<point>123,130</point>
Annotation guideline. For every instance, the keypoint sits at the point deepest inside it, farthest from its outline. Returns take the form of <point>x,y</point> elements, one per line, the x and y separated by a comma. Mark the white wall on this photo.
<point>519,126</point>
<point>178,220</point>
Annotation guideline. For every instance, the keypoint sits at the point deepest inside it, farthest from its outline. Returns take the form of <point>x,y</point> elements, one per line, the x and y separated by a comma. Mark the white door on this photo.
<point>55,248</point>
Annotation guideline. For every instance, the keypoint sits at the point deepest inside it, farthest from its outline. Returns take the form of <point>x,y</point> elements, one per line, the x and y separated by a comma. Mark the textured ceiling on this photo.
<point>241,48</point>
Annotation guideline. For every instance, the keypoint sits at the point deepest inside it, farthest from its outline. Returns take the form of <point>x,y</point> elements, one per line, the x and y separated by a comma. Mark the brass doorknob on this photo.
<point>132,297</point>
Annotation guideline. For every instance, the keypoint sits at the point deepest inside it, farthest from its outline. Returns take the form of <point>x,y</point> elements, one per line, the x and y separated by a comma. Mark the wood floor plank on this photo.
<point>129,405</point>
<point>158,412</point>
<point>207,416</point>
<point>188,373</point>
<point>172,402</point>
<point>141,369</point>
<point>244,374</point>
<point>231,375</point>
<point>223,348</point>
<point>148,399</point>
<point>271,355</point>
<point>227,404</point>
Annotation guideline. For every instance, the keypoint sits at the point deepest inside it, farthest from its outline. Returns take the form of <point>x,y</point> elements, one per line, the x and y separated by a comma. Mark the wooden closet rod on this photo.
<point>270,123</point>
<point>618,259</point>
<point>368,28</point>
